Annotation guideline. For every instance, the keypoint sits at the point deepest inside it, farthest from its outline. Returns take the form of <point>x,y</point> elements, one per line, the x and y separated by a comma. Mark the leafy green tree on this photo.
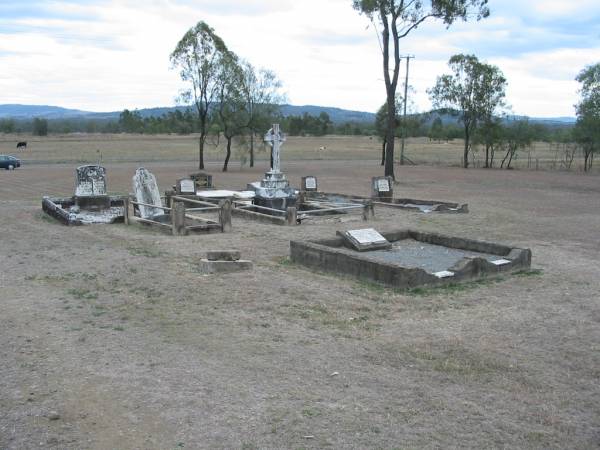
<point>398,18</point>
<point>436,132</point>
<point>261,89</point>
<point>490,135</point>
<point>232,112</point>
<point>587,128</point>
<point>516,136</point>
<point>7,125</point>
<point>199,56</point>
<point>40,127</point>
<point>475,89</point>
<point>131,122</point>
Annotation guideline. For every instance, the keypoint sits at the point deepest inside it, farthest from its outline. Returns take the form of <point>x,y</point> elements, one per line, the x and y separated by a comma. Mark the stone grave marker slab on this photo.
<point>382,188</point>
<point>90,181</point>
<point>146,191</point>
<point>186,186</point>
<point>365,239</point>
<point>309,184</point>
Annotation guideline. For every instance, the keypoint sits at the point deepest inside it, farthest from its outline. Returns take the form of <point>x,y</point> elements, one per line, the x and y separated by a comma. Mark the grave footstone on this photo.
<point>365,239</point>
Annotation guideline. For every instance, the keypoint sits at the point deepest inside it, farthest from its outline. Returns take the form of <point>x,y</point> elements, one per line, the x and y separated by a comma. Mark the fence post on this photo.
<point>225,215</point>
<point>178,218</point>
<point>368,210</point>
<point>290,215</point>
<point>126,210</point>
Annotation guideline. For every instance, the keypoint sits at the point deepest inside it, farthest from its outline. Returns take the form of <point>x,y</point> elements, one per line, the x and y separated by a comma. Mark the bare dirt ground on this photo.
<point>111,338</point>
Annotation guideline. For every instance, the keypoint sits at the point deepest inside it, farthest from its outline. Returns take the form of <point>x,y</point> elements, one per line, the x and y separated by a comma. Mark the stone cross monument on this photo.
<point>275,138</point>
<point>274,190</point>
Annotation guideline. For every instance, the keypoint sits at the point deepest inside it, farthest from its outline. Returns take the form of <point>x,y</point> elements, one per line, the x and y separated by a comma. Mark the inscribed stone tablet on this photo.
<point>383,185</point>
<point>367,236</point>
<point>311,183</point>
<point>187,186</point>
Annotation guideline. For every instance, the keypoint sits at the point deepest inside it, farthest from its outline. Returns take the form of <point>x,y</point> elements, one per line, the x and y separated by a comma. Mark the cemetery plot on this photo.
<point>90,203</point>
<point>410,258</point>
<point>182,216</point>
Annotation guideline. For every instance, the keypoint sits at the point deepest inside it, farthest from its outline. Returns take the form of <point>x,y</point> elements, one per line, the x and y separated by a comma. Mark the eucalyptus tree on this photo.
<point>262,93</point>
<point>232,110</point>
<point>474,89</point>
<point>587,128</point>
<point>199,56</point>
<point>398,18</point>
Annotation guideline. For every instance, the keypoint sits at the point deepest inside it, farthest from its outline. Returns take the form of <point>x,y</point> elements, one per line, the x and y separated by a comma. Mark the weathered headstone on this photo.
<point>365,239</point>
<point>146,191</point>
<point>383,188</point>
<point>90,188</point>
<point>185,186</point>
<point>202,180</point>
<point>309,184</point>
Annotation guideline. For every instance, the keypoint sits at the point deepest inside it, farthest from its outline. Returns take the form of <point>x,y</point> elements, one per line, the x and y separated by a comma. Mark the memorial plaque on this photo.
<point>501,262</point>
<point>383,185</point>
<point>186,186</point>
<point>309,183</point>
<point>367,236</point>
<point>365,239</point>
<point>383,189</point>
<point>444,274</point>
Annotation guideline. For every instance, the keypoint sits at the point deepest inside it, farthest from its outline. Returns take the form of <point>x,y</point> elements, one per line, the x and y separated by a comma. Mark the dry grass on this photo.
<point>84,148</point>
<point>114,328</point>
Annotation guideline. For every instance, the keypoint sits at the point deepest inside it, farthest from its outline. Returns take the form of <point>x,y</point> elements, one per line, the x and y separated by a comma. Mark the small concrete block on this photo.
<point>365,239</point>
<point>223,255</point>
<point>207,266</point>
<point>444,274</point>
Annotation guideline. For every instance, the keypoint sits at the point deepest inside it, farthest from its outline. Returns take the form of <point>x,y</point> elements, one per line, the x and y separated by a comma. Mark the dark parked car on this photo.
<point>9,162</point>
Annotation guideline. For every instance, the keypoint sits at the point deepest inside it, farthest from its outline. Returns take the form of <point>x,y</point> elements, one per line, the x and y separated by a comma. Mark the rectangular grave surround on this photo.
<point>416,259</point>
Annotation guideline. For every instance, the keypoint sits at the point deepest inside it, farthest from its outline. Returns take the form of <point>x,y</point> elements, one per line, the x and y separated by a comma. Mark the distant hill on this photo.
<point>45,111</point>
<point>336,115</point>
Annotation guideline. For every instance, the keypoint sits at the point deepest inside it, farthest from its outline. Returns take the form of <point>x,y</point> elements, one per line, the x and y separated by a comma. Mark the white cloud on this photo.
<point>114,54</point>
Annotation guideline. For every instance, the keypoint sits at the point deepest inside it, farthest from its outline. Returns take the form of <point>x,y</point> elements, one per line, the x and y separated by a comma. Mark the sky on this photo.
<point>107,55</point>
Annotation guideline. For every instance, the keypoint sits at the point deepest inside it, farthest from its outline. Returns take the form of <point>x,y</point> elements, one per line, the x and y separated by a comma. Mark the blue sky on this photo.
<point>104,55</point>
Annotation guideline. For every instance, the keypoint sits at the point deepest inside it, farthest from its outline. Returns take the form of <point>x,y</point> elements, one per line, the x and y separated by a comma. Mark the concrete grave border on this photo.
<point>331,255</point>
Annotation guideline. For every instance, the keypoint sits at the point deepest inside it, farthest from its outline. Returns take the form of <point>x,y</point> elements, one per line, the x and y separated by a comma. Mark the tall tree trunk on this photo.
<point>251,148</point>
<point>487,156</point>
<point>466,149</point>
<point>383,152</point>
<point>201,151</point>
<point>228,155</point>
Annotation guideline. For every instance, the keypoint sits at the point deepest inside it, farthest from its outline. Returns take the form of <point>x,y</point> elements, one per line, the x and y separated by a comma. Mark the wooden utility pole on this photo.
<point>408,58</point>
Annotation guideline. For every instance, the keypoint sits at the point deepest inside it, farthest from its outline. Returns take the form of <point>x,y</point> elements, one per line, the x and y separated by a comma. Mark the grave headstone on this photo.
<point>383,188</point>
<point>185,186</point>
<point>90,188</point>
<point>309,184</point>
<point>146,191</point>
<point>202,180</point>
<point>365,239</point>
<point>274,190</point>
